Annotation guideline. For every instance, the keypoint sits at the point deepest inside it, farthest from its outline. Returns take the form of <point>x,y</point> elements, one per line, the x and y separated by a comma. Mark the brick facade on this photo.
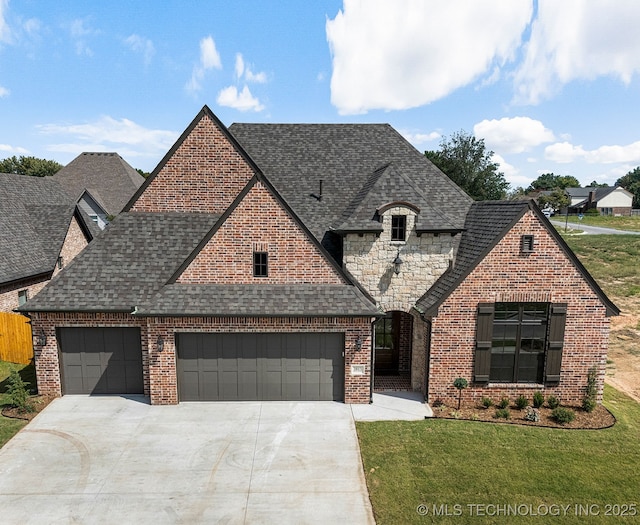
<point>260,224</point>
<point>159,368</point>
<point>204,174</point>
<point>73,244</point>
<point>508,275</point>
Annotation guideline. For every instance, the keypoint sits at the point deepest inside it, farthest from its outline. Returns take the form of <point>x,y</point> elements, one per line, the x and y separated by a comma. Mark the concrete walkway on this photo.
<point>115,460</point>
<point>393,406</point>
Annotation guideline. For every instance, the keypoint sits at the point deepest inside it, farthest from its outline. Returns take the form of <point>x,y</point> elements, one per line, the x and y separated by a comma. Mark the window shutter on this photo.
<point>484,334</point>
<point>557,321</point>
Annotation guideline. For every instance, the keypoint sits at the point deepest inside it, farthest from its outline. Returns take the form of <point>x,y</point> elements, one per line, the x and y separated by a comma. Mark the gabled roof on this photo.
<point>127,265</point>
<point>600,193</point>
<point>108,178</point>
<point>487,223</point>
<point>347,158</point>
<point>35,214</point>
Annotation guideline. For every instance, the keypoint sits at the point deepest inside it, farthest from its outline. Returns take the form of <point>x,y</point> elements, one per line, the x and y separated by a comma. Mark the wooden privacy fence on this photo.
<point>16,345</point>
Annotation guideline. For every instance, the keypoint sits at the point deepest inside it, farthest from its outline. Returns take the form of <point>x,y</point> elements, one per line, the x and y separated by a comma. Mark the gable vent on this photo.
<point>526,243</point>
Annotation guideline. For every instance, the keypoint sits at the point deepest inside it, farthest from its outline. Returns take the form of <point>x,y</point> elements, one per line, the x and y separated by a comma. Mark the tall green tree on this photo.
<point>631,183</point>
<point>29,166</point>
<point>557,200</point>
<point>551,181</point>
<point>467,162</point>
<point>596,184</point>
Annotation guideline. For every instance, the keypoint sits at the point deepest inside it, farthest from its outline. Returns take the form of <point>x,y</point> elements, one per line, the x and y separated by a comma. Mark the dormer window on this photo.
<point>398,227</point>
<point>260,264</point>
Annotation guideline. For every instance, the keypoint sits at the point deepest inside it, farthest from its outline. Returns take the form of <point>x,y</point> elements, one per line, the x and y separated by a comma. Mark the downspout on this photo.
<point>371,374</point>
<point>426,361</point>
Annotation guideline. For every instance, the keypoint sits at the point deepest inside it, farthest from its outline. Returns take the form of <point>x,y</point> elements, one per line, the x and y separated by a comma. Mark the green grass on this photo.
<point>9,427</point>
<point>605,221</point>
<point>445,462</point>
<point>612,260</point>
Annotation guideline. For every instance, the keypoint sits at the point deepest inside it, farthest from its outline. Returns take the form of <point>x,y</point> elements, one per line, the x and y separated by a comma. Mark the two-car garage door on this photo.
<point>260,366</point>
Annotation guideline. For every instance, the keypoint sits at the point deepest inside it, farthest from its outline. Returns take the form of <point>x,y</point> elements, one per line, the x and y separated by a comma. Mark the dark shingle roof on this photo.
<point>349,159</point>
<point>127,265</point>
<point>106,176</point>
<point>300,300</point>
<point>487,222</point>
<point>35,214</point>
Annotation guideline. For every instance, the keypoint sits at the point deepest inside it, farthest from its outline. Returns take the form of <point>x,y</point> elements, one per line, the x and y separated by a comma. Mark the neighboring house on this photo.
<point>101,183</point>
<point>614,200</point>
<point>318,262</point>
<point>41,231</point>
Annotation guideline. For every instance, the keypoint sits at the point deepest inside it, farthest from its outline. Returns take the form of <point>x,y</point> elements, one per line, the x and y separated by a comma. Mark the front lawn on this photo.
<point>8,426</point>
<point>468,471</point>
<point>605,221</point>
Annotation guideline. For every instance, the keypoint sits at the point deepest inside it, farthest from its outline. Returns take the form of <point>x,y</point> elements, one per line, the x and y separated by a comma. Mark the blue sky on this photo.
<point>550,86</point>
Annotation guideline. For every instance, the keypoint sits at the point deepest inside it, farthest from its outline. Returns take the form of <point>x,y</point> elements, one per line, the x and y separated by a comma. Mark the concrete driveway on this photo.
<point>115,460</point>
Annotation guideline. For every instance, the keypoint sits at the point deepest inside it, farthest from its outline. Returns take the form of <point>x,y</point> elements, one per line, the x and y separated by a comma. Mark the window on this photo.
<point>384,333</point>
<point>398,227</point>
<point>260,266</point>
<point>519,342</point>
<point>94,218</point>
<point>606,211</point>
<point>23,297</point>
<point>527,243</point>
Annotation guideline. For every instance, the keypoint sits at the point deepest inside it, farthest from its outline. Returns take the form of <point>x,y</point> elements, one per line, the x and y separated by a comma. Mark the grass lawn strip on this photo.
<point>445,463</point>
<point>631,224</point>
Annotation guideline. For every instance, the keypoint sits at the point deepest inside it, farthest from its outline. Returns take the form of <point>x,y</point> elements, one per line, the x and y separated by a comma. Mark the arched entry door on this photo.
<point>393,337</point>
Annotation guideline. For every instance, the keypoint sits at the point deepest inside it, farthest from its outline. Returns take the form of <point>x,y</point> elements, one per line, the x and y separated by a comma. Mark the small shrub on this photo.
<point>588,404</point>
<point>504,402</point>
<point>18,393</point>
<point>487,402</point>
<point>460,383</point>
<point>474,417</point>
<point>591,391</point>
<point>503,413</point>
<point>532,414</point>
<point>521,402</point>
<point>592,212</point>
<point>455,414</point>
<point>553,402</point>
<point>538,399</point>
<point>563,415</point>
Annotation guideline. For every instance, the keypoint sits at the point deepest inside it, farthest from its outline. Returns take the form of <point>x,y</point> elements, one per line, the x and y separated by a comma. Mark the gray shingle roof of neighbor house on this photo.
<point>583,193</point>
<point>127,265</point>
<point>35,214</point>
<point>106,176</point>
<point>487,222</point>
<point>300,300</point>
<point>362,167</point>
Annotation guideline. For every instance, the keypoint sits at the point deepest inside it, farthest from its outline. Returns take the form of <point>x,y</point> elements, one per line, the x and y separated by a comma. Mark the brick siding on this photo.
<point>507,275</point>
<point>205,174</point>
<point>260,223</point>
<point>159,368</point>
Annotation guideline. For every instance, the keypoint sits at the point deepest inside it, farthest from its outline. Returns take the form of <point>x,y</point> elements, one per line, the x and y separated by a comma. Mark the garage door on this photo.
<point>250,367</point>
<point>101,360</point>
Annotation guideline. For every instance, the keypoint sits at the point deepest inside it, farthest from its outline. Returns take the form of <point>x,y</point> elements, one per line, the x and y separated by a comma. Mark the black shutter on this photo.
<point>557,320</point>
<point>484,334</point>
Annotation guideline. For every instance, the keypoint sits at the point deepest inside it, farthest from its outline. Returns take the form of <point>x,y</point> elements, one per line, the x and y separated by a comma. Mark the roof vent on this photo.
<point>319,196</point>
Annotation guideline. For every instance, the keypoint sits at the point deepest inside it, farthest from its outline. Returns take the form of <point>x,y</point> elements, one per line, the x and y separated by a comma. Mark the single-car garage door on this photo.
<point>261,367</point>
<point>101,360</point>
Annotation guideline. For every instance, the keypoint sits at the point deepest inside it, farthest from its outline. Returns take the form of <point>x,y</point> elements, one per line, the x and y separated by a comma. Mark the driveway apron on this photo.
<point>119,460</point>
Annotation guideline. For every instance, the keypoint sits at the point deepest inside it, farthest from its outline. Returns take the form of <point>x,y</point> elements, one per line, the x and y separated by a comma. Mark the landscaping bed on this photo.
<point>38,402</point>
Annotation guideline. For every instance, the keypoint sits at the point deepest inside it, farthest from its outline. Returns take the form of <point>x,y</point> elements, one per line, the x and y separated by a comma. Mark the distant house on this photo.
<point>613,200</point>
<point>101,183</point>
<point>41,231</point>
<point>318,262</point>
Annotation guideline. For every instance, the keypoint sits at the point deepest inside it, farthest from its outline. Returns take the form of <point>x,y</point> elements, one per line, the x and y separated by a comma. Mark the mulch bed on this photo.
<point>39,403</point>
<point>598,419</point>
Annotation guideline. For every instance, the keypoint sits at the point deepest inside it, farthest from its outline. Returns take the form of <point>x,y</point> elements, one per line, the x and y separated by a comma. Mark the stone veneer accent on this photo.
<point>259,223</point>
<point>159,369</point>
<point>505,275</point>
<point>73,244</point>
<point>369,258</point>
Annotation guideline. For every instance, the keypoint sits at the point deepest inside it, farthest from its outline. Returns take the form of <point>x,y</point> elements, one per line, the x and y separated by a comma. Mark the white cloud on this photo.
<point>513,135</point>
<point>418,139</point>
<point>6,148</point>
<point>109,134</point>
<point>240,100</point>
<point>406,53</point>
<point>511,173</point>
<point>243,70</point>
<point>578,39</point>
<point>4,92</point>
<point>209,59</point>
<point>5,32</point>
<point>565,152</point>
<point>141,45</point>
<point>80,30</point>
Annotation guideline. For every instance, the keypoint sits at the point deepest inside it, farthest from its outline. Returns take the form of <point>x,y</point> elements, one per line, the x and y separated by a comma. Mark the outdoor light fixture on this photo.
<point>397,262</point>
<point>359,343</point>
<point>160,344</point>
<point>40,339</point>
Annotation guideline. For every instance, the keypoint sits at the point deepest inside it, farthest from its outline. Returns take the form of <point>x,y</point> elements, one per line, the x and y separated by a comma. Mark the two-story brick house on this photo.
<point>310,261</point>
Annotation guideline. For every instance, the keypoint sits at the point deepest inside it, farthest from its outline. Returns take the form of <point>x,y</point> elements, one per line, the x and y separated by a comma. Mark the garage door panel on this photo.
<point>261,366</point>
<point>101,360</point>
